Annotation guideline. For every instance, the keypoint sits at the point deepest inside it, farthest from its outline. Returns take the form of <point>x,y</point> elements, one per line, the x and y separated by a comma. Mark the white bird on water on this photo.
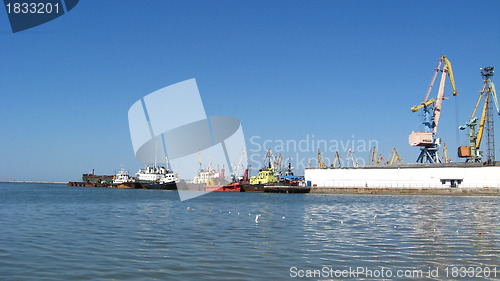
<point>257,218</point>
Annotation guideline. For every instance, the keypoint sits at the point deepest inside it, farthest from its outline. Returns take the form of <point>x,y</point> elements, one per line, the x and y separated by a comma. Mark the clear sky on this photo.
<point>289,70</point>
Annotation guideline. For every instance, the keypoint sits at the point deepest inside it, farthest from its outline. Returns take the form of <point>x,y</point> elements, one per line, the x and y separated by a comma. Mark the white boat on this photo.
<point>205,176</point>
<point>153,174</point>
<point>122,177</point>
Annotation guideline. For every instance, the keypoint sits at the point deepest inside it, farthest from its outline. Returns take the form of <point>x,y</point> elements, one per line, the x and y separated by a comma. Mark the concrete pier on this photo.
<point>460,191</point>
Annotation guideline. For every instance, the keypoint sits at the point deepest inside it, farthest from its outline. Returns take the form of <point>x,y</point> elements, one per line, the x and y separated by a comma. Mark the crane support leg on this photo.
<point>429,155</point>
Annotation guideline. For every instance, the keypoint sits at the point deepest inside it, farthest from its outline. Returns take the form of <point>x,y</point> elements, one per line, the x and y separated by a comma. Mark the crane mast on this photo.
<point>269,156</point>
<point>432,114</point>
<point>237,165</point>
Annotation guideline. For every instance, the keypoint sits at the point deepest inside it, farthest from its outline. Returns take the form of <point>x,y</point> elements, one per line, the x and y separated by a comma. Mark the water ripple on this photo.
<point>54,232</point>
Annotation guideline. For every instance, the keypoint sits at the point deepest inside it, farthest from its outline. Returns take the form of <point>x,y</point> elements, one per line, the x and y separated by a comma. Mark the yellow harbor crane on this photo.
<point>488,93</point>
<point>432,113</point>
<point>373,158</point>
<point>321,164</point>
<point>394,157</point>
<point>446,156</point>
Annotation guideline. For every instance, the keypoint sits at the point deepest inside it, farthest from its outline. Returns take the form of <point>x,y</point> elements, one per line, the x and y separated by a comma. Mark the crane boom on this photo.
<point>480,132</point>
<point>494,95</point>
<point>337,162</point>
<point>439,103</point>
<point>433,80</point>
<point>425,103</point>
<point>447,69</point>
<point>447,64</point>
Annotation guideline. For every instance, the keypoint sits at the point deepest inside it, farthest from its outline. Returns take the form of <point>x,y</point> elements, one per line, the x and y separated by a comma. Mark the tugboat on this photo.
<point>286,177</point>
<point>157,177</point>
<point>257,183</point>
<point>237,184</point>
<point>122,177</point>
<point>123,180</point>
<point>275,178</point>
<point>265,176</point>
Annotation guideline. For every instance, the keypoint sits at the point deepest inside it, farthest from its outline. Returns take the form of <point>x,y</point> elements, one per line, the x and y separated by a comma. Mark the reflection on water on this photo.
<point>67,233</point>
<point>403,231</point>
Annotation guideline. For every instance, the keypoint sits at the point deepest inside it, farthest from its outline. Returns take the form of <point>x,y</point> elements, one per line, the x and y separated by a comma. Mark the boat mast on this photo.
<point>199,159</point>
<point>167,163</point>
<point>156,148</point>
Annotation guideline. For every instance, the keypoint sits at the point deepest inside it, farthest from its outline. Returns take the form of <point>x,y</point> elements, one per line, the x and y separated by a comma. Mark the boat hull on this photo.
<point>252,188</point>
<point>162,186</point>
<point>128,185</point>
<point>233,187</point>
<point>287,189</point>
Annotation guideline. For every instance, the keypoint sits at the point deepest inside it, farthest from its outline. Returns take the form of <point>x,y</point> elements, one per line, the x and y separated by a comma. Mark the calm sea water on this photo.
<point>55,232</point>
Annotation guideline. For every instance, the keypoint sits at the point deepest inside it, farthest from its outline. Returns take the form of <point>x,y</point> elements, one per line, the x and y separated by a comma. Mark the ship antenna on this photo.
<point>167,163</point>
<point>156,147</point>
<point>199,158</point>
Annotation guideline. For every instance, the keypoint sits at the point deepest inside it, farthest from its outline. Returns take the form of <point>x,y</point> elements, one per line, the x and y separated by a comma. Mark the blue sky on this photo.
<point>286,69</point>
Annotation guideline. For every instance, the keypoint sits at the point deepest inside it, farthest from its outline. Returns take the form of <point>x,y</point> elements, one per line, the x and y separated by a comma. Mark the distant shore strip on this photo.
<point>55,182</point>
